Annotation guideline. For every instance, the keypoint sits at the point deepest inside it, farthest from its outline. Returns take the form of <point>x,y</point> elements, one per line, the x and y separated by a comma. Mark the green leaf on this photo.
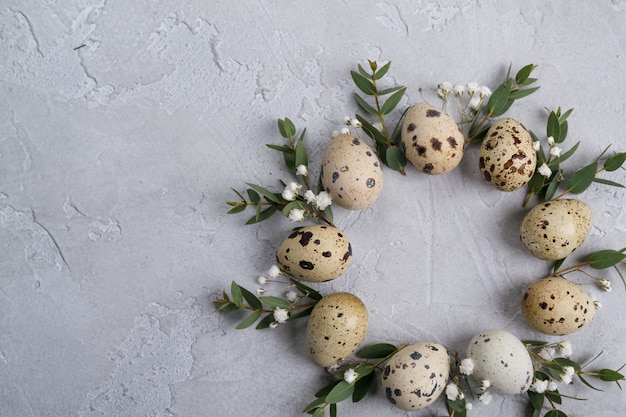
<point>498,99</point>
<point>605,258</point>
<point>395,158</point>
<point>392,101</point>
<point>517,94</point>
<point>554,127</point>
<point>333,410</point>
<point>250,320</point>
<point>280,148</point>
<point>236,209</point>
<point>308,291</point>
<point>273,302</point>
<point>608,182</point>
<point>390,90</point>
<point>318,413</point>
<point>303,313</point>
<point>382,71</point>
<point>534,343</point>
<point>262,215</point>
<point>552,186</point>
<point>327,389</point>
<point>340,392</point>
<point>300,205</point>
<point>266,321</point>
<point>523,74</point>
<point>235,292</point>
<point>582,179</point>
<point>364,385</point>
<point>365,105</point>
<point>536,400</point>
<point>363,72</point>
<point>281,128</point>
<point>289,127</point>
<point>615,161</point>
<point>584,381</point>
<point>379,350</point>
<point>555,413</point>
<point>225,306</point>
<point>371,131</point>
<point>250,298</point>
<point>558,264</point>
<point>265,192</point>
<point>314,404</point>
<point>328,212</point>
<point>563,362</point>
<point>457,405</point>
<point>529,82</point>
<point>253,195</point>
<point>610,375</point>
<point>301,158</point>
<point>553,396</point>
<point>363,84</point>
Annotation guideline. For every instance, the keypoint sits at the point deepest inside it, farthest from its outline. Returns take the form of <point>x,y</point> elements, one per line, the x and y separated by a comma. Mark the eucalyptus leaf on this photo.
<point>563,362</point>
<point>605,258</point>
<point>552,187</point>
<point>553,396</point>
<point>536,183</point>
<point>290,128</point>
<point>365,105</point>
<point>584,381</point>
<point>364,385</point>
<point>262,215</point>
<point>382,71</point>
<point>610,375</point>
<point>250,320</point>
<point>498,99</point>
<point>390,90</point>
<point>302,313</point>
<point>608,182</point>
<point>281,128</point>
<point>265,192</point>
<point>534,343</point>
<point>363,84</point>
<point>371,131</point>
<point>280,148</point>
<point>395,158</point>
<point>554,127</point>
<point>301,157</point>
<point>318,413</point>
<point>273,302</point>
<point>314,404</point>
<point>379,350</point>
<point>615,161</point>
<point>225,307</point>
<point>236,209</point>
<point>297,204</point>
<point>582,179</point>
<point>340,392</point>
<point>236,294</point>
<point>523,74</point>
<point>555,413</point>
<point>392,101</point>
<point>265,322</point>
<point>333,410</point>
<point>253,195</point>
<point>308,291</point>
<point>327,389</point>
<point>517,94</point>
<point>558,264</point>
<point>250,298</point>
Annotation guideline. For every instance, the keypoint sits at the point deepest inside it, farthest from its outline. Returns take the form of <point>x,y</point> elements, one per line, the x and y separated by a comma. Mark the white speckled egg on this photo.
<point>507,158</point>
<point>351,173</point>
<point>336,327</point>
<point>431,140</point>
<point>554,229</point>
<point>502,359</point>
<point>557,306</point>
<point>315,253</point>
<point>416,376</point>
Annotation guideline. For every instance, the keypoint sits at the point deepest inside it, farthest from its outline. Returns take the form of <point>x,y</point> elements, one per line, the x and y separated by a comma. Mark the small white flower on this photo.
<point>565,348</point>
<point>288,195</point>
<point>472,88</point>
<point>551,140</point>
<point>484,92</point>
<point>356,123</point>
<point>452,391</point>
<point>552,386</point>
<point>597,304</point>
<point>274,271</point>
<point>345,131</point>
<point>291,296</point>
<point>537,146</point>
<point>475,103</point>
<point>555,151</point>
<point>458,90</point>
<point>568,373</point>
<point>260,291</point>
<point>485,397</point>
<point>605,284</point>
<point>444,89</point>
<point>280,315</point>
<point>468,406</point>
<point>323,200</point>
<point>263,280</point>
<point>347,120</point>
<point>539,386</point>
<point>309,196</point>
<point>545,170</point>
<point>274,324</point>
<point>350,376</point>
<point>467,366</point>
<point>302,170</point>
<point>293,186</point>
<point>547,353</point>
<point>484,384</point>
<point>296,215</point>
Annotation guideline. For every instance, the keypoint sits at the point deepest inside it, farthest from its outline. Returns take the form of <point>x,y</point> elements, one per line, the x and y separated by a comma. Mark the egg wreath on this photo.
<point>414,376</point>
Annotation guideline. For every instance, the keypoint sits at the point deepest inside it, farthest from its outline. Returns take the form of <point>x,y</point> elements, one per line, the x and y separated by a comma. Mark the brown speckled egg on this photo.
<point>336,327</point>
<point>554,229</point>
<point>351,173</point>
<point>315,253</point>
<point>507,158</point>
<point>416,376</point>
<point>557,306</point>
<point>431,140</point>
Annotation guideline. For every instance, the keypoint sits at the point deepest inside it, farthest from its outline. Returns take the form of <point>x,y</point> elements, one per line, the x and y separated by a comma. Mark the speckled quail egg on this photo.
<point>507,159</point>
<point>554,229</point>
<point>502,359</point>
<point>431,140</point>
<point>315,253</point>
<point>351,173</point>
<point>557,306</point>
<point>416,376</point>
<point>336,327</point>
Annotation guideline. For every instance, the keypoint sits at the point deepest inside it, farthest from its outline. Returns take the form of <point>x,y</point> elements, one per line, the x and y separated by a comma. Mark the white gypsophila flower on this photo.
<point>547,353</point>
<point>444,89</point>
<point>280,315</point>
<point>565,348</point>
<point>292,296</point>
<point>296,215</point>
<point>472,87</point>
<point>274,271</point>
<point>262,280</point>
<point>452,391</point>
<point>323,200</point>
<point>485,397</point>
<point>302,170</point>
<point>356,123</point>
<point>545,170</point>
<point>551,140</point>
<point>347,120</point>
<point>467,366</point>
<point>461,395</point>
<point>459,90</point>
<point>468,406</point>
<point>539,386</point>
<point>605,284</point>
<point>273,324</point>
<point>350,376</point>
<point>555,151</point>
<point>260,291</point>
<point>293,186</point>
<point>345,131</point>
<point>484,384</point>
<point>484,92</point>
<point>568,373</point>
<point>537,146</point>
<point>475,103</point>
<point>597,304</point>
<point>552,386</point>
<point>309,196</point>
<point>288,194</point>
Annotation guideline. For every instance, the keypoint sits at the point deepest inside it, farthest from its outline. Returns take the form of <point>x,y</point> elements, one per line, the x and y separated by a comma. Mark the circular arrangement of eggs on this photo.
<point>417,375</point>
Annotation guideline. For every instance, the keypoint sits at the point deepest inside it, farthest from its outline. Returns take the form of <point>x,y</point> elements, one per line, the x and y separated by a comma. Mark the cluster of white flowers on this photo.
<point>452,392</point>
<point>477,94</point>
<point>290,193</point>
<point>292,190</point>
<point>348,121</point>
<point>565,348</point>
<point>568,373</point>
<point>302,170</point>
<point>467,366</point>
<point>554,151</point>
<point>605,284</point>
<point>350,376</point>
<point>272,273</point>
<point>292,296</point>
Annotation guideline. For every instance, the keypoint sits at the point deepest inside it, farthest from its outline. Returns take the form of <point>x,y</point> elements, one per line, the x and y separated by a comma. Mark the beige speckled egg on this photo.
<point>315,253</point>
<point>507,158</point>
<point>431,140</point>
<point>557,306</point>
<point>336,327</point>
<point>351,173</point>
<point>554,229</point>
<point>502,359</point>
<point>416,376</point>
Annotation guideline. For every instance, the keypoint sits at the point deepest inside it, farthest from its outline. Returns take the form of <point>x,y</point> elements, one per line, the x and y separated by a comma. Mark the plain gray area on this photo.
<point>125,123</point>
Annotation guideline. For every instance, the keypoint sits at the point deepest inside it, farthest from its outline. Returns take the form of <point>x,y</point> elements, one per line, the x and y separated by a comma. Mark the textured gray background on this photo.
<point>116,160</point>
